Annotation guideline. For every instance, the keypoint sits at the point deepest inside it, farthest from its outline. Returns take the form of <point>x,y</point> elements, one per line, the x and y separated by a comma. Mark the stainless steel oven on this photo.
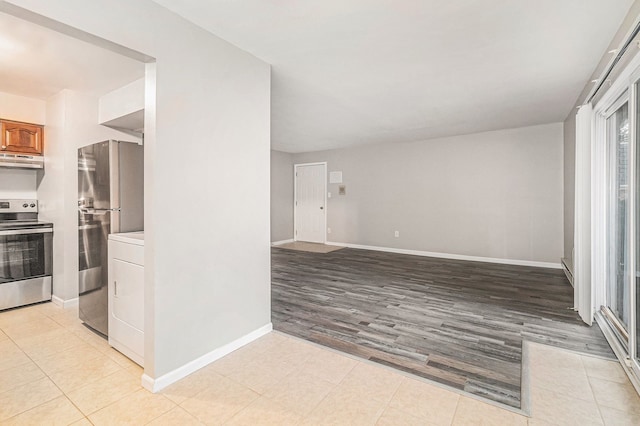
<point>25,254</point>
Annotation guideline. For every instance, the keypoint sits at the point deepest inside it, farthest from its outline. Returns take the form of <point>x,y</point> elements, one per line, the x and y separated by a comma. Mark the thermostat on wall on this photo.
<point>335,177</point>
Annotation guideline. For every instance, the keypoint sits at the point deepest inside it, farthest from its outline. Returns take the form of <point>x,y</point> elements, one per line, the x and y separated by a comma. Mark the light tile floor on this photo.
<point>54,371</point>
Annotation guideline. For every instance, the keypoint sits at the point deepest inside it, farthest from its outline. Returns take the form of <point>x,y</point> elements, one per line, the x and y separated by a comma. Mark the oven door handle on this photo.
<point>25,231</point>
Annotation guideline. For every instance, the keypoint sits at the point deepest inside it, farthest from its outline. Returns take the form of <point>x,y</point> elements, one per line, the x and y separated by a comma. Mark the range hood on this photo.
<point>22,161</point>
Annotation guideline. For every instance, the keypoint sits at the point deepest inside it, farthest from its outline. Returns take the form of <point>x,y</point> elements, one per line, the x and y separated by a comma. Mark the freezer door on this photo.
<point>94,175</point>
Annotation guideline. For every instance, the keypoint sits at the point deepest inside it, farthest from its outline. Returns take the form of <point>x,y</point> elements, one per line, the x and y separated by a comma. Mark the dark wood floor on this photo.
<point>455,322</point>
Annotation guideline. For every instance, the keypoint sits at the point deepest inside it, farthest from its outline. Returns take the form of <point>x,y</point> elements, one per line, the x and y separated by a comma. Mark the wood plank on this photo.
<point>456,322</point>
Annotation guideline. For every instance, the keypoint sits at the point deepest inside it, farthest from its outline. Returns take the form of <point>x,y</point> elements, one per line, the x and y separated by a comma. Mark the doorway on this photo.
<point>310,212</point>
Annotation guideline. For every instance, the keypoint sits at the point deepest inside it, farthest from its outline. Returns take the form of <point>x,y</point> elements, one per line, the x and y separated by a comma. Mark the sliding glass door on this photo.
<point>615,208</point>
<point>617,296</point>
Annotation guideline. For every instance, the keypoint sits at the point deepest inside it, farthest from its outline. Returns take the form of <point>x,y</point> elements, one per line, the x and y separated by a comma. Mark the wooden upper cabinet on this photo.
<point>22,138</point>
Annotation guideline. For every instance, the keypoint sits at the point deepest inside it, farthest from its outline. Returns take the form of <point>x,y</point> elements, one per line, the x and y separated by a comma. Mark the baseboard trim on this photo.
<point>281,242</point>
<point>64,304</point>
<point>155,385</point>
<point>567,270</point>
<point>451,256</point>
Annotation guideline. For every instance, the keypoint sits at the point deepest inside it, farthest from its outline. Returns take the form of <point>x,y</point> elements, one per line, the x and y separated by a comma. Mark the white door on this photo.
<point>310,211</point>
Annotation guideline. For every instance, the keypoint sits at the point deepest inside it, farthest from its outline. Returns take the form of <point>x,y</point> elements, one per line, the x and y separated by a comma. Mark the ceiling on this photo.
<point>348,72</point>
<point>38,62</point>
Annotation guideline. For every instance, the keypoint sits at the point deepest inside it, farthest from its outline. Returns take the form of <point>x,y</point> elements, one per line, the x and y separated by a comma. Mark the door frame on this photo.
<point>295,198</point>
<point>622,89</point>
<point>608,140</point>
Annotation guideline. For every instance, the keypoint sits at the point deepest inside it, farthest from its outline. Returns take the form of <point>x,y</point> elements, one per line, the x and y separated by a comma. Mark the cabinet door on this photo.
<point>128,293</point>
<point>22,138</point>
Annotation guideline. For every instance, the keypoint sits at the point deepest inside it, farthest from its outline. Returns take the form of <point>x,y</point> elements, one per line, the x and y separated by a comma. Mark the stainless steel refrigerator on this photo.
<point>110,200</point>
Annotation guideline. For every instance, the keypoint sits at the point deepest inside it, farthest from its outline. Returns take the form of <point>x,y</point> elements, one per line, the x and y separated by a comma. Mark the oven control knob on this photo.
<point>25,205</point>
<point>32,205</point>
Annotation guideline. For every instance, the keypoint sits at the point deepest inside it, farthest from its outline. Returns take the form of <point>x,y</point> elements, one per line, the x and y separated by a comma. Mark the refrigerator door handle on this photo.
<point>84,210</point>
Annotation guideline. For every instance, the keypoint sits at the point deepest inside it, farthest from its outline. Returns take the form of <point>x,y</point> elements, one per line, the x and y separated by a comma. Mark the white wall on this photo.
<point>20,183</point>
<point>17,184</point>
<point>281,196</point>
<point>495,194</point>
<point>20,108</point>
<point>212,270</point>
<point>207,272</point>
<point>71,122</point>
<point>51,198</point>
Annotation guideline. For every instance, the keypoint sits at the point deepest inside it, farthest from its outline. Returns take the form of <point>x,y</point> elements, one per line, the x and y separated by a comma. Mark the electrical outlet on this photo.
<point>328,230</point>
<point>396,234</point>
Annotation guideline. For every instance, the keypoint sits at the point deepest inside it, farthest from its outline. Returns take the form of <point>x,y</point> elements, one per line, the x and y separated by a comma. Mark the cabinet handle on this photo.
<point>115,288</point>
